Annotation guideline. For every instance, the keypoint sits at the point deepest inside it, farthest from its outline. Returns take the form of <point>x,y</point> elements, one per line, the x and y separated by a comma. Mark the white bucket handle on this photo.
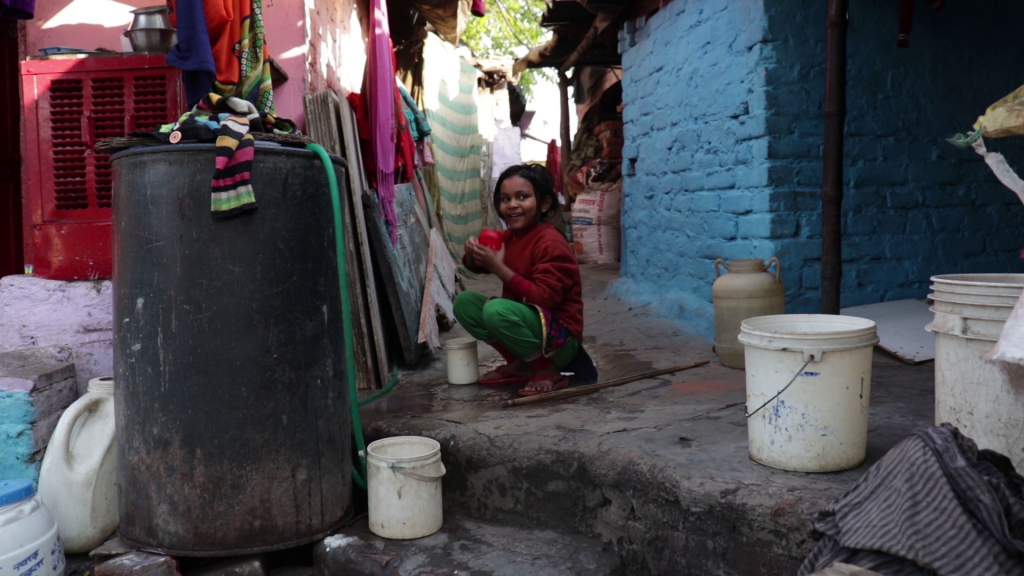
<point>405,471</point>
<point>786,387</point>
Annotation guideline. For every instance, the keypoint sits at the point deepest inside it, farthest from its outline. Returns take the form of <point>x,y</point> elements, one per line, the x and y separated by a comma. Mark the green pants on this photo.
<point>517,327</point>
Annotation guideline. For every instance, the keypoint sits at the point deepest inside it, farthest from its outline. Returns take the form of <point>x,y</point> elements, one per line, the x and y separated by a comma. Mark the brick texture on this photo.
<point>723,117</point>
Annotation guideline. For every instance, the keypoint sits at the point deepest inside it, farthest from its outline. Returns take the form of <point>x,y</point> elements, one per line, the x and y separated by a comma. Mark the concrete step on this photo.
<point>658,469</point>
<point>465,546</point>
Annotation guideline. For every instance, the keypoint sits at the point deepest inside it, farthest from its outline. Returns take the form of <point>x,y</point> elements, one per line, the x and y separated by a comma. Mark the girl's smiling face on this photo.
<point>518,206</point>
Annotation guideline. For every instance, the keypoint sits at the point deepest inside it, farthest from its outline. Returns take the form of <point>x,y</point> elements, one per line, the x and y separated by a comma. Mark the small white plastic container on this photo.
<point>463,366</point>
<point>29,542</point>
<point>404,487</point>
<point>78,478</point>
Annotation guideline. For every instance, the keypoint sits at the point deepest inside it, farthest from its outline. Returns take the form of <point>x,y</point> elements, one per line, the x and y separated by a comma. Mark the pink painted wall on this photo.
<point>336,55</point>
<point>92,24</point>
<point>87,24</point>
<point>284,22</point>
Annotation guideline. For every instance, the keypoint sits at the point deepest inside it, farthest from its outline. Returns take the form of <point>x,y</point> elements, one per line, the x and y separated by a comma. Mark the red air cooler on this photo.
<point>70,104</point>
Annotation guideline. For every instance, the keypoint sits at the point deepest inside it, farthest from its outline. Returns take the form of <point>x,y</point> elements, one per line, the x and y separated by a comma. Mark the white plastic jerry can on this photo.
<point>29,542</point>
<point>78,478</point>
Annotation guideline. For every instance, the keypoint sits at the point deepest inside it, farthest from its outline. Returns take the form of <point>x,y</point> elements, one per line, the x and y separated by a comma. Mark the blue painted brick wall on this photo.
<point>724,126</point>
<point>695,128</point>
<point>914,206</point>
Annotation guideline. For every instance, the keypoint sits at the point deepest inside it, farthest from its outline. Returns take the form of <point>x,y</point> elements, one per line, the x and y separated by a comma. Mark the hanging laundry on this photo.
<point>238,42</point>
<point>192,54</point>
<point>935,504</point>
<point>380,94</point>
<point>424,155</point>
<point>418,124</point>
<point>479,8</point>
<point>907,19</point>
<point>450,88</point>
<point>405,152</point>
<point>230,123</point>
<point>232,186</point>
<point>18,9</point>
<point>554,164</point>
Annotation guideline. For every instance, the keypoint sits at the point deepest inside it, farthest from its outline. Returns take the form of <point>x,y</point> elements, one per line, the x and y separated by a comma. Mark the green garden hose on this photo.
<point>359,468</point>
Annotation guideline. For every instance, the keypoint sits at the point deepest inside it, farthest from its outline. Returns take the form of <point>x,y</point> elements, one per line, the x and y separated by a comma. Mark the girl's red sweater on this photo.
<point>547,274</point>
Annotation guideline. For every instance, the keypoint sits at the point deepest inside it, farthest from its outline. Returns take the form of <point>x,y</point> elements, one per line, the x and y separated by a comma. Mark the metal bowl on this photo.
<point>150,17</point>
<point>152,40</point>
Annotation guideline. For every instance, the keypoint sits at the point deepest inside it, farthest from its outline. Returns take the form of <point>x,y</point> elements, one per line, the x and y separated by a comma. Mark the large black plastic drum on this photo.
<point>233,424</point>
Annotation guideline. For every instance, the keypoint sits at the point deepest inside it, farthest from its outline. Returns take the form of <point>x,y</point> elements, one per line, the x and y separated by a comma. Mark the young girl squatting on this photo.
<point>537,324</point>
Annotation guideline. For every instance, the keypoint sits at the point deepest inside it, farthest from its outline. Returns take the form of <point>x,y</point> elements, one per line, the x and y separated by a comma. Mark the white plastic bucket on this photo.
<point>463,367</point>
<point>976,396</point>
<point>404,487</point>
<point>808,390</point>
<point>78,477</point>
<point>29,543</point>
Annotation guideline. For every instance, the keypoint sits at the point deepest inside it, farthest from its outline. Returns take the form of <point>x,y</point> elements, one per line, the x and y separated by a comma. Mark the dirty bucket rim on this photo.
<point>966,308</point>
<point>963,280</point>
<point>761,324</point>
<point>460,343</point>
<point>434,444</point>
<point>763,332</point>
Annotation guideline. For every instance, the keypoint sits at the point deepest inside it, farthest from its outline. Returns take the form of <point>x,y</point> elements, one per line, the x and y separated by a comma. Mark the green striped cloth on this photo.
<point>456,143</point>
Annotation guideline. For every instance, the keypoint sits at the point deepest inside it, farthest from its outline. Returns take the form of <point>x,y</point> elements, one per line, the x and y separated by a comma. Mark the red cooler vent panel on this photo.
<point>70,172</point>
<point>69,106</point>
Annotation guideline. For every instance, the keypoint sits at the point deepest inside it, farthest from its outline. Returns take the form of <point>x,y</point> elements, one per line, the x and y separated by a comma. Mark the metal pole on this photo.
<point>563,89</point>
<point>832,173</point>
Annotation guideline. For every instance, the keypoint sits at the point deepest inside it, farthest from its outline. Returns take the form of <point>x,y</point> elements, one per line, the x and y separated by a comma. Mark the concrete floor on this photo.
<point>659,469</point>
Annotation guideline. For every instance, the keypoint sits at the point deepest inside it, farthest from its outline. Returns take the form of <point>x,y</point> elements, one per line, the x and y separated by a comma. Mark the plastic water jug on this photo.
<point>29,542</point>
<point>77,481</point>
<point>747,291</point>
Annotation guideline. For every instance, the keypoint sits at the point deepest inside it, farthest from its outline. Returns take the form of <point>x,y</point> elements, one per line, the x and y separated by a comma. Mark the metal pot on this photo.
<point>152,40</point>
<point>151,17</point>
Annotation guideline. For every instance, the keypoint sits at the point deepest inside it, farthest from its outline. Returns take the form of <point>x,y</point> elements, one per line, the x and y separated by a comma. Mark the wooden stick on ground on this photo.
<point>582,390</point>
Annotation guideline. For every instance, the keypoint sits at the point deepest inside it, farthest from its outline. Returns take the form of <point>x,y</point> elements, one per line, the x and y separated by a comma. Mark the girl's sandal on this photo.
<point>557,383</point>
<point>502,375</point>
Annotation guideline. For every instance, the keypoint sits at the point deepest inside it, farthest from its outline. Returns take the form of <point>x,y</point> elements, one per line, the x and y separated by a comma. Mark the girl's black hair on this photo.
<point>543,187</point>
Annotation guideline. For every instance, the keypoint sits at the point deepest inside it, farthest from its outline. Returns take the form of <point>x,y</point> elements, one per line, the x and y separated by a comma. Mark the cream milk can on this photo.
<point>747,291</point>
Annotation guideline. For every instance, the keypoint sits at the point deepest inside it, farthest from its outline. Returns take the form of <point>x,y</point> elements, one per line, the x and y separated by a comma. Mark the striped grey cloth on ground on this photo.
<point>934,505</point>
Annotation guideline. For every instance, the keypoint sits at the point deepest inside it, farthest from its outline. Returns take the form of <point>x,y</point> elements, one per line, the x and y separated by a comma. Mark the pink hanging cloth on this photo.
<point>381,99</point>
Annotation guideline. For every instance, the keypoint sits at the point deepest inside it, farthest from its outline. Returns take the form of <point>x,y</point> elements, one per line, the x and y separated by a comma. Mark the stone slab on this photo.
<point>36,385</point>
<point>42,430</point>
<point>111,548</point>
<point>138,564</point>
<point>34,369</point>
<point>35,312</point>
<point>244,566</point>
<point>465,546</point>
<point>54,398</point>
<point>660,469</point>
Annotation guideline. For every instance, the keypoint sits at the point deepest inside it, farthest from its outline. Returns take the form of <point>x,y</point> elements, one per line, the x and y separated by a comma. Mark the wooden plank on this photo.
<point>403,265</point>
<point>358,191</point>
<point>438,311</point>
<point>322,117</point>
<point>322,120</point>
<point>901,328</point>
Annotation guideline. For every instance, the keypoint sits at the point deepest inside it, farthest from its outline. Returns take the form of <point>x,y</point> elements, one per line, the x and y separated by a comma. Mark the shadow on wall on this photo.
<point>690,312</point>
<point>914,206</point>
<point>86,24</point>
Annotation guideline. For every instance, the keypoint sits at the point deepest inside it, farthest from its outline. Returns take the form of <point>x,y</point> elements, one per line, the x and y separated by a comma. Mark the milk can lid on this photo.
<point>12,491</point>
